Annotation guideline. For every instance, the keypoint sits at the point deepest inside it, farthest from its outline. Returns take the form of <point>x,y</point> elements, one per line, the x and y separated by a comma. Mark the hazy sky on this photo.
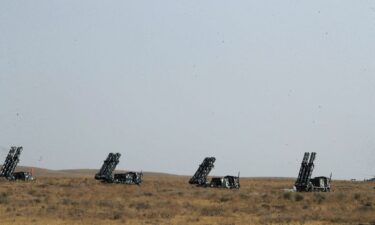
<point>166,83</point>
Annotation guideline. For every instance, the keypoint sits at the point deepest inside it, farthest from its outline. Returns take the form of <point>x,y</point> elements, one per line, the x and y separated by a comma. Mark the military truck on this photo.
<point>200,177</point>
<point>105,174</point>
<point>10,164</point>
<point>305,183</point>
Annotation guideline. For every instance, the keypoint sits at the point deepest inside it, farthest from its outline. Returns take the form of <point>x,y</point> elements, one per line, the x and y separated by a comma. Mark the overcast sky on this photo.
<point>166,83</point>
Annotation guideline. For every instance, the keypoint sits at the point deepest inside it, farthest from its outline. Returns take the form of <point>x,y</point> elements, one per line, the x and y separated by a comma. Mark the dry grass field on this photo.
<point>164,199</point>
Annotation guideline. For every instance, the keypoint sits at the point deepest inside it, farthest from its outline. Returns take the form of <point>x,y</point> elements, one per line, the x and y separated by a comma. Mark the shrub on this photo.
<point>212,211</point>
<point>4,198</point>
<point>298,197</point>
<point>244,196</point>
<point>117,216</point>
<point>266,206</point>
<point>148,194</point>
<point>32,192</point>
<point>341,196</point>
<point>287,195</point>
<point>366,206</point>
<point>140,205</point>
<point>106,203</point>
<point>224,199</point>
<point>319,198</point>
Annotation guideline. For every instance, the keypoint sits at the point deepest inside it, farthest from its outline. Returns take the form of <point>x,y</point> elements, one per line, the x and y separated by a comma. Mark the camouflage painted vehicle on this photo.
<point>305,183</point>
<point>10,164</point>
<point>128,178</point>
<point>200,177</point>
<point>109,165</point>
<point>229,182</point>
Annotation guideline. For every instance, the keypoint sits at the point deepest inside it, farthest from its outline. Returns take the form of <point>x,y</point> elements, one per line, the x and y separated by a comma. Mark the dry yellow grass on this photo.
<point>170,200</point>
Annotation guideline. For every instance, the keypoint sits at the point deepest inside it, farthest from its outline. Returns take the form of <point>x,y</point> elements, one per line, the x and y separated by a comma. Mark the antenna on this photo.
<point>330,177</point>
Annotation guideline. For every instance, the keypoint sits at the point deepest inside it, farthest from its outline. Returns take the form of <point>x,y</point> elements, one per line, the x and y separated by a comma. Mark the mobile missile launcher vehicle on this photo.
<point>109,165</point>
<point>305,183</point>
<point>10,164</point>
<point>23,176</point>
<point>128,178</point>
<point>226,182</point>
<point>200,177</point>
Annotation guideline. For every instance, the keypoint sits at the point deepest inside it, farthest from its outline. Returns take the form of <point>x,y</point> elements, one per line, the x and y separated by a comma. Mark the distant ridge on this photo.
<point>41,172</point>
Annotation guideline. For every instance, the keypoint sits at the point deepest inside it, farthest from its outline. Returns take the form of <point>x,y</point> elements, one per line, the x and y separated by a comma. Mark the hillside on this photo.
<point>40,172</point>
<point>171,200</point>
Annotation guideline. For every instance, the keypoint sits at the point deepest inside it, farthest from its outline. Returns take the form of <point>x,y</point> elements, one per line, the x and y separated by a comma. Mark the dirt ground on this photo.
<point>171,200</point>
